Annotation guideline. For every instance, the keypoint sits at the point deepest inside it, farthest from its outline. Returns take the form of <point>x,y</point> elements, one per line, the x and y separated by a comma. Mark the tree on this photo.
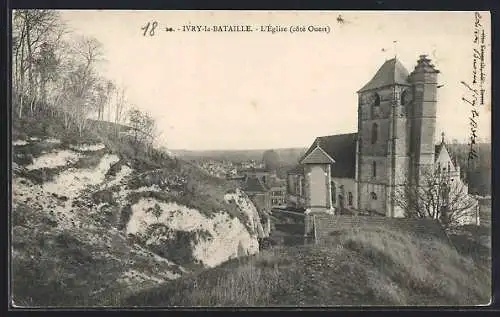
<point>46,66</point>
<point>83,79</point>
<point>271,160</point>
<point>438,196</point>
<point>121,105</point>
<point>35,36</point>
<point>144,130</point>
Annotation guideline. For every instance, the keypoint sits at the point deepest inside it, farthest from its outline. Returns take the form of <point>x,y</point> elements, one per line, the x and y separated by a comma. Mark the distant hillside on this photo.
<point>287,155</point>
<point>477,171</point>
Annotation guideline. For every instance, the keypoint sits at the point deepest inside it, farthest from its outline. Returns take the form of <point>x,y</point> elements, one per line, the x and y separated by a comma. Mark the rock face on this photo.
<point>86,192</point>
<point>212,240</point>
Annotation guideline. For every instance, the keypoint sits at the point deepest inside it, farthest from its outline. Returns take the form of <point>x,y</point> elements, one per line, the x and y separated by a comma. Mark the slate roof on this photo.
<point>437,149</point>
<point>254,184</point>
<point>342,148</point>
<point>392,72</point>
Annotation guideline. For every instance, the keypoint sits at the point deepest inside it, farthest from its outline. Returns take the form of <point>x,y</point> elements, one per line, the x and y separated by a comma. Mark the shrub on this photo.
<point>175,245</point>
<point>125,215</point>
<point>103,196</point>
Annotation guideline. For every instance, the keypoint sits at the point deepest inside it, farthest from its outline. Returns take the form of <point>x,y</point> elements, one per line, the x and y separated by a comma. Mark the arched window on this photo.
<point>373,196</point>
<point>334,194</point>
<point>375,105</point>
<point>405,97</point>
<point>374,169</point>
<point>445,190</point>
<point>374,133</point>
<point>349,198</point>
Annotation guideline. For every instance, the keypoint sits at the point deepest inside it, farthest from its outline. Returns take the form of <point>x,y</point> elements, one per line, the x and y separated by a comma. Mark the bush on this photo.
<point>175,245</point>
<point>125,215</point>
<point>103,196</point>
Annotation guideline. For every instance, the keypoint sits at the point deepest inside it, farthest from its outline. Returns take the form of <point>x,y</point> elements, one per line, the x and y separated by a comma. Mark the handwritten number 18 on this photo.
<point>151,27</point>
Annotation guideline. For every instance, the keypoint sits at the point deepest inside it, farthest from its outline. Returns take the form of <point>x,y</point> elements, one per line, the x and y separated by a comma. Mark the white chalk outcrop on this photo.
<point>71,182</point>
<point>88,147</point>
<point>219,235</point>
<point>54,159</point>
<point>250,211</point>
<point>19,142</point>
<point>229,237</point>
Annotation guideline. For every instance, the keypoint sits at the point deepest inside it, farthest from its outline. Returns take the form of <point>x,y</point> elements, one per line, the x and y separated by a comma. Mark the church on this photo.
<point>359,173</point>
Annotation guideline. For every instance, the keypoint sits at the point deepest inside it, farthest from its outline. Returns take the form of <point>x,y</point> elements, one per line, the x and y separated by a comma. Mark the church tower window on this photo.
<point>349,198</point>
<point>374,133</point>
<point>334,194</point>
<point>374,105</point>
<point>405,102</point>
<point>374,169</point>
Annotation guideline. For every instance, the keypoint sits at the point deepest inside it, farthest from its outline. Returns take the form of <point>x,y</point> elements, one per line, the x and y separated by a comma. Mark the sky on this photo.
<point>261,90</point>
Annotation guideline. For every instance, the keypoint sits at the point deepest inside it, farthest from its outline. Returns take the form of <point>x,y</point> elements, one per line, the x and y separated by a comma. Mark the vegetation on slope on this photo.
<point>373,266</point>
<point>95,263</point>
<point>53,266</point>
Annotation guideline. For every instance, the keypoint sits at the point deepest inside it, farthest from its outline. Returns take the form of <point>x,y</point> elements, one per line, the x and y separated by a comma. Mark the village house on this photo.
<point>359,173</point>
<point>278,196</point>
<point>258,192</point>
<point>263,185</point>
<point>263,174</point>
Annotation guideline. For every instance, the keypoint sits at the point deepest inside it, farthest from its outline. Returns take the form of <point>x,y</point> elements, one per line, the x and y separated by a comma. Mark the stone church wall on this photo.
<point>349,186</point>
<point>367,201</point>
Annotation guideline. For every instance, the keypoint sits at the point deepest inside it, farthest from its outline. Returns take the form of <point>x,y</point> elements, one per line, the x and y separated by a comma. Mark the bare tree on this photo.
<point>83,80</point>
<point>35,33</point>
<point>121,105</point>
<point>439,196</point>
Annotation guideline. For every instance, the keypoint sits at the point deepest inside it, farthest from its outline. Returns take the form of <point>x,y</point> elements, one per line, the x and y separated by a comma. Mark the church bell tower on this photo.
<point>396,129</point>
<point>383,140</point>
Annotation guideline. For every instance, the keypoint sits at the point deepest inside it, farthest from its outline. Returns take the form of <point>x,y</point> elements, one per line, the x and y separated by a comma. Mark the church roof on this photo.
<point>392,72</point>
<point>317,156</point>
<point>342,148</point>
<point>437,150</point>
<point>442,154</point>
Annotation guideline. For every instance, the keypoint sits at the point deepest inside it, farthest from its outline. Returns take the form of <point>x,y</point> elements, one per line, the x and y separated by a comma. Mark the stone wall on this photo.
<point>327,226</point>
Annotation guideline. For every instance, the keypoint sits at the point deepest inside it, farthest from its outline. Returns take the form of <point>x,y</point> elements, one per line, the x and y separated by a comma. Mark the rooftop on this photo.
<point>390,73</point>
<point>254,184</point>
<point>342,148</point>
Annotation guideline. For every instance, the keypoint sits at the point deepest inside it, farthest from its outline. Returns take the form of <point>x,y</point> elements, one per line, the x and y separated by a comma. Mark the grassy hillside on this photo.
<point>73,197</point>
<point>372,266</point>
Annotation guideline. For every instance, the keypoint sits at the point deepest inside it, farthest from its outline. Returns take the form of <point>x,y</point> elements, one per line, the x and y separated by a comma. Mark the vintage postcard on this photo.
<point>250,158</point>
